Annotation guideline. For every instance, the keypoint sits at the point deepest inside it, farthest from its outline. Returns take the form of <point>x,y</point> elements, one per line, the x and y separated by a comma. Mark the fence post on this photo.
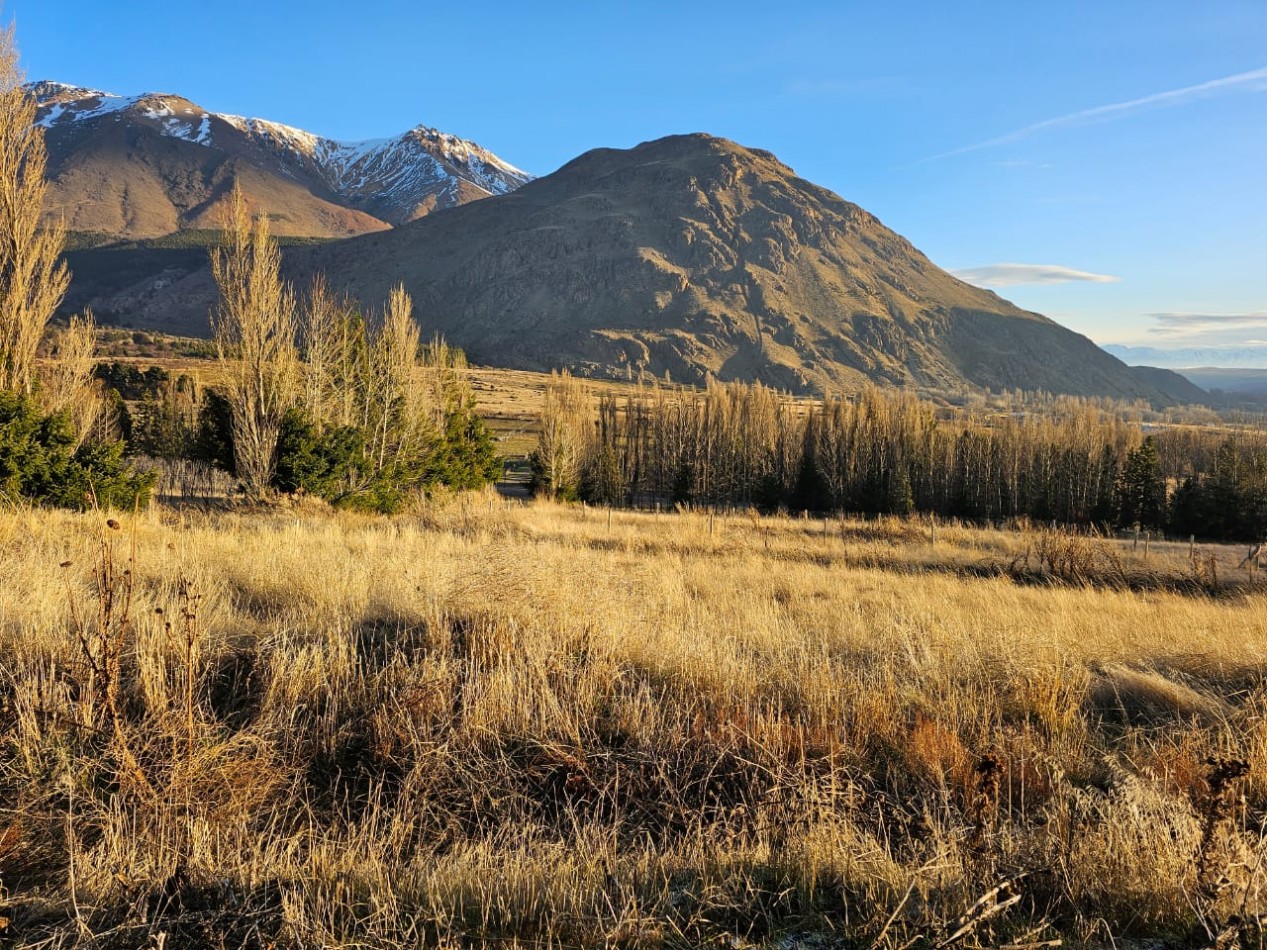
<point>1148,536</point>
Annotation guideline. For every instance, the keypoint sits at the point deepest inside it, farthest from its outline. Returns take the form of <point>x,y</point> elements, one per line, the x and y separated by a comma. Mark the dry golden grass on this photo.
<point>536,725</point>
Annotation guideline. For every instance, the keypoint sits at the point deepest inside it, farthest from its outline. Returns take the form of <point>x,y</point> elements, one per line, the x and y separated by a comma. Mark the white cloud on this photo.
<point>1253,81</point>
<point>1011,275</point>
<point>1217,328</point>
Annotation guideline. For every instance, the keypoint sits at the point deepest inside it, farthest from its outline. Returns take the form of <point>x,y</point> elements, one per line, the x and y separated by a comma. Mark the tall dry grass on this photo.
<point>542,725</point>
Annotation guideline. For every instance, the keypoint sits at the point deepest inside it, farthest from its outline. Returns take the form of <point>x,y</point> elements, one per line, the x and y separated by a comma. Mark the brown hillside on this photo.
<point>698,257</point>
<point>128,179</point>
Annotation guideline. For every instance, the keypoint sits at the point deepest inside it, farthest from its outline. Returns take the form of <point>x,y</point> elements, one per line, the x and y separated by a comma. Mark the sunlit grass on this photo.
<point>569,726</point>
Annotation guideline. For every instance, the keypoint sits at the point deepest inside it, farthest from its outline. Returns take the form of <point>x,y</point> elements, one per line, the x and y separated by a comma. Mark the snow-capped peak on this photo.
<point>395,175</point>
<point>49,88</point>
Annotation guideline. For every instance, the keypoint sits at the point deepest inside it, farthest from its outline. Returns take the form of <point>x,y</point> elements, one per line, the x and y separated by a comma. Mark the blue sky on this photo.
<point>1122,145</point>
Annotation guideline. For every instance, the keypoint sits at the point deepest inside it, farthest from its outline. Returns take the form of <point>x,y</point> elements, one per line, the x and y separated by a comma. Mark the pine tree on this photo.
<point>1142,489</point>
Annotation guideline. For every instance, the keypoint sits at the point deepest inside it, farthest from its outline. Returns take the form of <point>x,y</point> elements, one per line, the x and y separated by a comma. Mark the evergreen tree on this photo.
<point>1189,510</point>
<point>39,462</point>
<point>1142,489</point>
<point>810,492</point>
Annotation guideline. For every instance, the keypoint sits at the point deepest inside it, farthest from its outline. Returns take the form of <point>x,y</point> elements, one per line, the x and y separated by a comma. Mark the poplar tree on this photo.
<point>254,328</point>
<point>33,278</point>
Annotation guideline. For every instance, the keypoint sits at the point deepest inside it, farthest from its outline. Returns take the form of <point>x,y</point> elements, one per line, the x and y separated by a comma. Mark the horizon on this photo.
<point>1101,168</point>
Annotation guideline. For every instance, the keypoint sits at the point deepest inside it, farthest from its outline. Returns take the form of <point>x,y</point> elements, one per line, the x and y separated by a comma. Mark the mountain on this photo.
<point>150,165</point>
<point>1181,387</point>
<point>1242,356</point>
<point>694,256</point>
<point>1242,381</point>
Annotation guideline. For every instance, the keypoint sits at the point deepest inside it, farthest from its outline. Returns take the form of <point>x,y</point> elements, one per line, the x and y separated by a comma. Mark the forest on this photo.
<point>1074,461</point>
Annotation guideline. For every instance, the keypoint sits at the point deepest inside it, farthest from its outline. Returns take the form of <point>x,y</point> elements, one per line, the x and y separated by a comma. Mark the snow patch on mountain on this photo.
<point>77,105</point>
<point>284,137</point>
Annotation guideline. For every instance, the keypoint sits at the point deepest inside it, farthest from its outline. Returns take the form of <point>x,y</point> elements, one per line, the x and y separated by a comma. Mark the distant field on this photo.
<point>489,723</point>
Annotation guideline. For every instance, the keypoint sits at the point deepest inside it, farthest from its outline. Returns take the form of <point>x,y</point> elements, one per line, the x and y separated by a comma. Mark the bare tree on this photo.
<point>321,339</point>
<point>254,329</point>
<point>396,396</point>
<point>33,279</point>
<point>67,383</point>
<point>563,440</point>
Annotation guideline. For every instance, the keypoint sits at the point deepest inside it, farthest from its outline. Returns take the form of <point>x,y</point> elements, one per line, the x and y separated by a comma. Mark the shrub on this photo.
<point>327,464</point>
<point>166,422</point>
<point>131,381</point>
<point>39,462</point>
<point>468,457</point>
<point>336,464</point>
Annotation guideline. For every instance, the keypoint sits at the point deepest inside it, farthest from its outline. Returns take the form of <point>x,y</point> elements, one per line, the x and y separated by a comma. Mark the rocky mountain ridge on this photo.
<point>148,165</point>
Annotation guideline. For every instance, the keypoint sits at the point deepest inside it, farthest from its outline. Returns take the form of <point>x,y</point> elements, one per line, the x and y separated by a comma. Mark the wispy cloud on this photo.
<point>1253,81</point>
<point>1228,328</point>
<point>1010,275</point>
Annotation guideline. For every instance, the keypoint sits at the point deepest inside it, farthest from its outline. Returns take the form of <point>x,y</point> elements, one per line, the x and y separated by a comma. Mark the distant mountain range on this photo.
<point>150,165</point>
<point>1238,357</point>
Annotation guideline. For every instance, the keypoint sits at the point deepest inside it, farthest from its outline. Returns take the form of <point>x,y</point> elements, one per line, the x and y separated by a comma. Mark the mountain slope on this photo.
<point>689,255</point>
<point>699,257</point>
<point>149,165</point>
<point>1176,385</point>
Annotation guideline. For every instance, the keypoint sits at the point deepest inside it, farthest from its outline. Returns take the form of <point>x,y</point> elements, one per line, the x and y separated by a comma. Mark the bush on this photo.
<point>327,465</point>
<point>336,464</point>
<point>166,423</point>
<point>40,463</point>
<point>467,458</point>
<point>214,441</point>
<point>131,381</point>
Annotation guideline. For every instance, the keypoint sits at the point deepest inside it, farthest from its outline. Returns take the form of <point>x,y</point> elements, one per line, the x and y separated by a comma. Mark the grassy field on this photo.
<point>528,725</point>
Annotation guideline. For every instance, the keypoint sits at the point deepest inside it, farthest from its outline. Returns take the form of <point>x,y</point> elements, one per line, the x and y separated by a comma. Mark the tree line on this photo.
<point>1076,463</point>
